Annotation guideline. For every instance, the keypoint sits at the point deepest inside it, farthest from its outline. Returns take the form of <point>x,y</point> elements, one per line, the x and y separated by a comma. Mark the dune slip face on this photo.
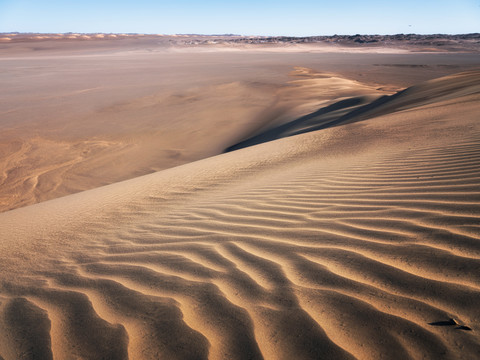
<point>356,239</point>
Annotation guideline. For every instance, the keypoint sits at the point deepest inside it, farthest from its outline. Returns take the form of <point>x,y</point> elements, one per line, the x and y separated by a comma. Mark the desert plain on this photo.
<point>192,197</point>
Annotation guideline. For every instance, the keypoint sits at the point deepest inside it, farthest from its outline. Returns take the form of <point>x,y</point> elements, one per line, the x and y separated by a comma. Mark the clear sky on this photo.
<point>247,17</point>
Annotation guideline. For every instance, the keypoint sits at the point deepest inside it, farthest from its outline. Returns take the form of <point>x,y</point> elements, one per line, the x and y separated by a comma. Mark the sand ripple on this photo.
<point>363,253</point>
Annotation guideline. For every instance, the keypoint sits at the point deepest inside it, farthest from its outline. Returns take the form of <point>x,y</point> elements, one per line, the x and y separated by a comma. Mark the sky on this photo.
<point>247,17</point>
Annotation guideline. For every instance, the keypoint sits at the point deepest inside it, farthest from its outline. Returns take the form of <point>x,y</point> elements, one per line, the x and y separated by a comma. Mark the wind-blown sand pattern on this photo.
<point>76,115</point>
<point>359,240</point>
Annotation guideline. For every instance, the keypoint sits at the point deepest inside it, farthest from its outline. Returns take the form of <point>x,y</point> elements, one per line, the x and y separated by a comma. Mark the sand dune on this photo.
<point>355,241</point>
<point>49,154</point>
<point>76,115</point>
<point>353,109</point>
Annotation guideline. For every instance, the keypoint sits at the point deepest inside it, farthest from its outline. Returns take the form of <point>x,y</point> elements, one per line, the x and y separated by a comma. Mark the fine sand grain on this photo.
<point>75,115</point>
<point>347,239</point>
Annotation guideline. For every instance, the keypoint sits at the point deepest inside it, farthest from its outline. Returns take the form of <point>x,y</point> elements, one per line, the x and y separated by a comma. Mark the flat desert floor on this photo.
<point>163,202</point>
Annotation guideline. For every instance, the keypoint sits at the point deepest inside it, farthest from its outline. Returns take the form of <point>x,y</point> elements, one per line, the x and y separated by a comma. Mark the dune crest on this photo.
<point>355,241</point>
<point>45,160</point>
<point>352,109</point>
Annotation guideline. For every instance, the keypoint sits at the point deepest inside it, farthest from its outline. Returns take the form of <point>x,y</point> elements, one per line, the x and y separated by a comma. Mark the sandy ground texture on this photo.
<point>349,231</point>
<point>80,113</point>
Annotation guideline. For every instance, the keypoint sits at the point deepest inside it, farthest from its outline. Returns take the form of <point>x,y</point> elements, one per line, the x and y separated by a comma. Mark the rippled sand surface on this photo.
<point>356,239</point>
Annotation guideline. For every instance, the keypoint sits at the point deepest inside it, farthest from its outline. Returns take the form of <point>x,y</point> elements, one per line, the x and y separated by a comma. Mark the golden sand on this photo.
<point>352,232</point>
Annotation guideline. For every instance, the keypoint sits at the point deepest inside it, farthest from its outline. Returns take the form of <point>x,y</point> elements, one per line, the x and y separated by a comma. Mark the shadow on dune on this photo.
<point>356,109</point>
<point>333,115</point>
<point>449,322</point>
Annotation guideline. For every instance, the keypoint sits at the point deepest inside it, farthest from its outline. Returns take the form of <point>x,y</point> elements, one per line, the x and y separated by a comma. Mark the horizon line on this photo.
<point>227,34</point>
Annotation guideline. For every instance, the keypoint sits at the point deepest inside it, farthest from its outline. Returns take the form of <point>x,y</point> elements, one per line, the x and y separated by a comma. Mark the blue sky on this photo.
<point>297,18</point>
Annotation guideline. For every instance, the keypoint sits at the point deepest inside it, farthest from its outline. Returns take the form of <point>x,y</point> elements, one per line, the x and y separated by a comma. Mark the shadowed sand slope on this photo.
<point>357,241</point>
<point>363,107</point>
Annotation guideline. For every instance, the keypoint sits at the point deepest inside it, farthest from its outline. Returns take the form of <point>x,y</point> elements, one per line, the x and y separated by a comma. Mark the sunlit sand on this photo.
<point>238,205</point>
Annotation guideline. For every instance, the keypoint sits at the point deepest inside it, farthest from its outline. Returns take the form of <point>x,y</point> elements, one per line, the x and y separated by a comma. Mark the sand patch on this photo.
<point>356,241</point>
